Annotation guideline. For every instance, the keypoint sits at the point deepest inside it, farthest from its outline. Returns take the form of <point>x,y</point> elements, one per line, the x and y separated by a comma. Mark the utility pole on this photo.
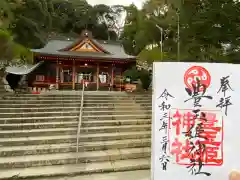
<point>161,46</point>
<point>178,36</point>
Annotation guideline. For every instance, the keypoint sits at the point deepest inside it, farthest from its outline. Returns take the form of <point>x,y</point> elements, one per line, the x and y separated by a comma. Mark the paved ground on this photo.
<point>129,175</point>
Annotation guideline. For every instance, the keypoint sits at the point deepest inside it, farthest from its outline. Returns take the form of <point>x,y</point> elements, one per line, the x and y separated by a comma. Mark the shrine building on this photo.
<point>66,64</point>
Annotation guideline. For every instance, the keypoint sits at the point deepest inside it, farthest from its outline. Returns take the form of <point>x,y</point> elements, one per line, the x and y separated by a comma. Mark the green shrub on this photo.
<point>145,78</point>
<point>132,73</point>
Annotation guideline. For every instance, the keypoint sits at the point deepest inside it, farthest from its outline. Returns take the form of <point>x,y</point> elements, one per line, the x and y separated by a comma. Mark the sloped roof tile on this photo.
<point>115,49</point>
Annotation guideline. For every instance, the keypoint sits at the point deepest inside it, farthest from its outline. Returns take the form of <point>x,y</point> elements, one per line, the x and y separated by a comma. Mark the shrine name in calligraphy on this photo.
<point>196,138</point>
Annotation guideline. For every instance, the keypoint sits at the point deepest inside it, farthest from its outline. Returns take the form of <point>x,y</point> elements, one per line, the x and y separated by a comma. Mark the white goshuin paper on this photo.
<point>170,76</point>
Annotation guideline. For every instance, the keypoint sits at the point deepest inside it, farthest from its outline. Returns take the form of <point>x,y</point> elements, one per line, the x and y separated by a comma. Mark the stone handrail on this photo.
<point>80,120</point>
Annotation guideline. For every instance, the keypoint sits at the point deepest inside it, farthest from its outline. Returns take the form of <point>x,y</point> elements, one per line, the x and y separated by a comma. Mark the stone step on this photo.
<point>43,125</point>
<point>102,101</point>
<point>69,123</point>
<point>58,98</point>
<point>38,114</point>
<point>91,115</point>
<point>71,104</point>
<point>37,105</point>
<point>143,98</point>
<point>86,95</point>
<point>39,109</point>
<point>132,174</point>
<point>73,118</point>
<point>116,122</point>
<point>116,112</point>
<point>39,101</point>
<point>113,129</point>
<point>70,113</point>
<point>38,132</point>
<point>44,101</point>
<point>73,130</point>
<point>72,138</point>
<point>51,95</point>
<point>142,102</point>
<point>70,108</point>
<point>70,158</point>
<point>71,147</point>
<point>143,115</point>
<point>38,119</point>
<point>77,169</point>
<point>116,95</point>
<point>75,97</point>
<point>110,104</point>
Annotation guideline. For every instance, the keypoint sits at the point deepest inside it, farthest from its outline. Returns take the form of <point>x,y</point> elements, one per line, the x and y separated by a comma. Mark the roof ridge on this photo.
<point>112,42</point>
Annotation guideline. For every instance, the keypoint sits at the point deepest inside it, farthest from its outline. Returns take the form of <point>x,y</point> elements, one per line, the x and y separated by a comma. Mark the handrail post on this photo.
<point>80,120</point>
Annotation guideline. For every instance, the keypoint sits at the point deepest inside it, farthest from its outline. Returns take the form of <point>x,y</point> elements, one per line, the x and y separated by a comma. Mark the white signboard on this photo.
<point>196,128</point>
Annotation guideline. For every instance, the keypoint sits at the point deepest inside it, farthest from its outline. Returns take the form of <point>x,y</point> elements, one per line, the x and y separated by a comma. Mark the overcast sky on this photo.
<point>138,3</point>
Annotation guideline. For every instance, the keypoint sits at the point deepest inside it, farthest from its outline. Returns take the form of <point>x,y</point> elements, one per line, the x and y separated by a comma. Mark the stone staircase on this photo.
<point>38,135</point>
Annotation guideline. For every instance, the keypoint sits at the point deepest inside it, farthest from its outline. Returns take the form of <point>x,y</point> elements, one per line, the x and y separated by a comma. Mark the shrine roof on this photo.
<point>107,49</point>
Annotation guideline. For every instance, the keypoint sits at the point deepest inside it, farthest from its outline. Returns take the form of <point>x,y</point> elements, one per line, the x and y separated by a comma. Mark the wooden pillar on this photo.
<point>73,75</point>
<point>57,75</point>
<point>97,76</point>
<point>112,75</point>
<point>121,81</point>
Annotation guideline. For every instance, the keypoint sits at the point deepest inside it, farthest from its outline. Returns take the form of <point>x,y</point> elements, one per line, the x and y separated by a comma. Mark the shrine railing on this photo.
<point>80,120</point>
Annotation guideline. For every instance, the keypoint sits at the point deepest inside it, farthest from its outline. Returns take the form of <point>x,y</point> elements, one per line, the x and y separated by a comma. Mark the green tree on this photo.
<point>136,33</point>
<point>10,51</point>
<point>22,54</point>
<point>78,15</point>
<point>37,20</point>
<point>33,21</point>
<point>6,12</point>
<point>205,28</point>
<point>6,46</point>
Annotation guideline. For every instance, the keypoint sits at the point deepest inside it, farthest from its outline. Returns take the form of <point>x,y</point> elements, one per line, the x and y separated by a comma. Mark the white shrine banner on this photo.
<point>196,128</point>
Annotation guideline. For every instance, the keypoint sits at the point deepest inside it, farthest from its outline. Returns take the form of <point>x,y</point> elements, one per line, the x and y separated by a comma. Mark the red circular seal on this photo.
<point>197,73</point>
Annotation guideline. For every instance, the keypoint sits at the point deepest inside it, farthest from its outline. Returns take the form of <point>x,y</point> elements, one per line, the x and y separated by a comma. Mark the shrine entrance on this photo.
<point>99,63</point>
